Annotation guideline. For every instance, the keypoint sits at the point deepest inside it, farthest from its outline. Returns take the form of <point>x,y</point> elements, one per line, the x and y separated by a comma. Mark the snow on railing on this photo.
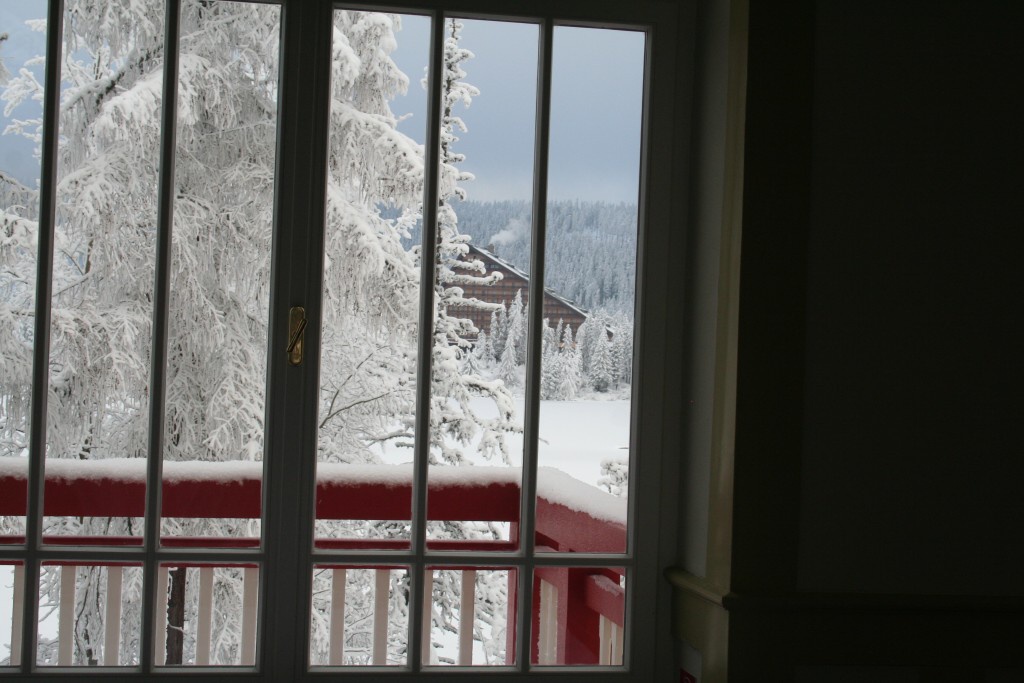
<point>578,626</point>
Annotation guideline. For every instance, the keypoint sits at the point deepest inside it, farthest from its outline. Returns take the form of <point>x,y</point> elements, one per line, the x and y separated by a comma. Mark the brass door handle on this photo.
<point>296,330</point>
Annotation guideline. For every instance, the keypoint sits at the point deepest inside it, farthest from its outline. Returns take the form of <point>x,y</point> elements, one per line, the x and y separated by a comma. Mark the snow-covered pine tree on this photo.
<point>570,370</point>
<point>550,365</point>
<point>499,321</point>
<point>584,339</point>
<point>469,362</point>
<point>615,476</point>
<point>370,280</point>
<point>622,349</point>
<point>508,367</point>
<point>560,371</point>
<point>454,423</point>
<point>484,350</point>
<point>515,329</point>
<point>602,370</point>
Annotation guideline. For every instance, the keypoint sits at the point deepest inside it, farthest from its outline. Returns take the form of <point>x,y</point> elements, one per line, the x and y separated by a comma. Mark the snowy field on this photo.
<point>575,436</point>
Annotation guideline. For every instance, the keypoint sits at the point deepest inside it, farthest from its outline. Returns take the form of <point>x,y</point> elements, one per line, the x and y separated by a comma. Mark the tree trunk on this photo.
<point>176,616</point>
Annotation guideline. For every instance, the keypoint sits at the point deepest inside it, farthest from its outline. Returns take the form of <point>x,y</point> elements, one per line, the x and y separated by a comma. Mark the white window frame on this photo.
<point>286,557</point>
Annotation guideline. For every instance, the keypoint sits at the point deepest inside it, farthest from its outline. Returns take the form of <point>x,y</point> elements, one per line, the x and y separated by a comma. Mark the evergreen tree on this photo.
<point>601,368</point>
<point>515,331</point>
<point>499,321</point>
<point>550,367</point>
<point>615,476</point>
<point>508,367</point>
<point>570,370</point>
<point>453,418</point>
<point>585,341</point>
<point>622,350</point>
<point>484,350</point>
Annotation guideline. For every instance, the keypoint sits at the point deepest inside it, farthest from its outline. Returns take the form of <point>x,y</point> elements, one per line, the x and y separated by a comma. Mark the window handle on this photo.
<point>296,333</point>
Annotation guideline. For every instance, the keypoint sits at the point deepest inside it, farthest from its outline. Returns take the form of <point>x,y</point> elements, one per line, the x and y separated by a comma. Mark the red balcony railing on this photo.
<point>577,612</point>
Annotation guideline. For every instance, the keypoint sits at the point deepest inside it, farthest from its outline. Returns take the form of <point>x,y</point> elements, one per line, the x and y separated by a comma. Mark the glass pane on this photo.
<point>207,615</point>
<point>590,271</point>
<point>89,615</point>
<point>470,623</point>
<point>220,269</point>
<point>578,616</point>
<point>12,596</point>
<point>103,262</point>
<point>371,279</point>
<point>360,616</point>
<point>21,84</point>
<point>482,293</point>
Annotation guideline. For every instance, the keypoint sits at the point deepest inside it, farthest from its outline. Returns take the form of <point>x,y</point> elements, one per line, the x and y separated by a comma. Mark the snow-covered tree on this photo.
<point>105,240</point>
<point>4,73</point>
<point>455,423</point>
<point>615,476</point>
<point>17,281</point>
<point>569,371</point>
<point>550,365</point>
<point>110,126</point>
<point>483,349</point>
<point>622,350</point>
<point>515,331</point>
<point>499,323</point>
<point>508,368</point>
<point>602,369</point>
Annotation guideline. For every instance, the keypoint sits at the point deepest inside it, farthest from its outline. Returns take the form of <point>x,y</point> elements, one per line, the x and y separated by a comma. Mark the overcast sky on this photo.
<point>596,105</point>
<point>16,153</point>
<point>596,108</point>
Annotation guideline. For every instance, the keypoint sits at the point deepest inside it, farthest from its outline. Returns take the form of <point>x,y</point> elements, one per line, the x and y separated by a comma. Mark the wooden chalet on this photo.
<point>504,291</point>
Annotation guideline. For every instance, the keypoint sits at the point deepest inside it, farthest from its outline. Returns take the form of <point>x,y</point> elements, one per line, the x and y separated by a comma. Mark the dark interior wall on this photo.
<point>912,477</point>
<point>880,372</point>
<point>770,352</point>
<point>878,469</point>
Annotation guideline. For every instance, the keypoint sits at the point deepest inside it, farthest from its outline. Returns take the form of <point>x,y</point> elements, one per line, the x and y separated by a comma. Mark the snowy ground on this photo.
<point>575,436</point>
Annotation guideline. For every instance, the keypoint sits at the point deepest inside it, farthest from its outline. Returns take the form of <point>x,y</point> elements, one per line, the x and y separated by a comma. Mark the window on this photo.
<point>247,425</point>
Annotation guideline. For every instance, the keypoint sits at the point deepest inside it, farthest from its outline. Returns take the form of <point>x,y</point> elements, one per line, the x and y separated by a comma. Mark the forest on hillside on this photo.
<point>590,251</point>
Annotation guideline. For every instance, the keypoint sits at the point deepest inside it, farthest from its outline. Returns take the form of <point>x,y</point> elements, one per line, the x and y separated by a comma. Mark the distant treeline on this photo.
<point>590,251</point>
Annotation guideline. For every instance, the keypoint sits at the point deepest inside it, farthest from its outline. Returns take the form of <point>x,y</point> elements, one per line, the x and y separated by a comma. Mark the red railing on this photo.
<point>577,612</point>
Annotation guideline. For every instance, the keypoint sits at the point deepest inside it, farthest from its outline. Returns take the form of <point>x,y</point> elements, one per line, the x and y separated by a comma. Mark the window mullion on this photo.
<point>421,457</point>
<point>41,331</point>
<point>161,307</point>
<point>527,504</point>
<point>289,490</point>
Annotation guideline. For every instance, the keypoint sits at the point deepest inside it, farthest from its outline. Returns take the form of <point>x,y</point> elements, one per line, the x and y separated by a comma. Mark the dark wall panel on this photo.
<point>912,477</point>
